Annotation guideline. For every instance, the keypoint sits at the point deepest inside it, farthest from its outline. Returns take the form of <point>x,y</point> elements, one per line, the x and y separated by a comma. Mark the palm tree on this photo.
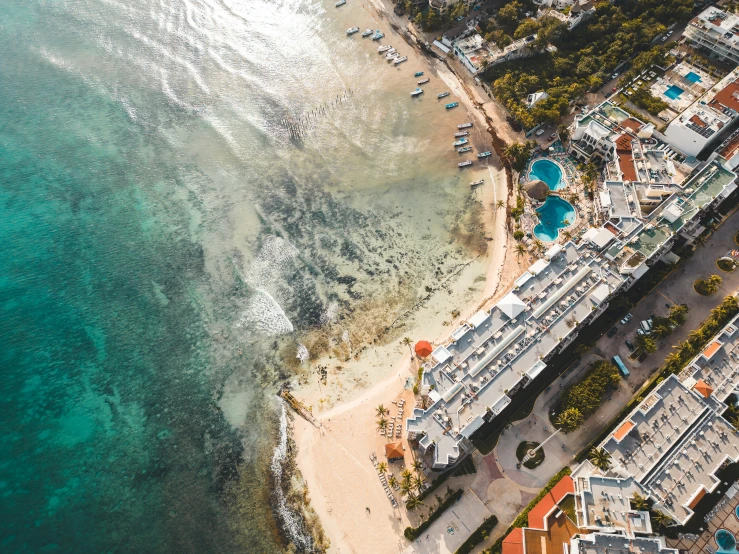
<point>382,467</point>
<point>413,502</point>
<point>392,481</point>
<point>661,519</point>
<point>570,419</point>
<point>673,358</point>
<point>381,411</point>
<point>382,424</point>
<point>406,475</point>
<point>538,245</point>
<point>500,204</point>
<point>418,482</point>
<point>567,234</point>
<point>417,465</point>
<point>407,341</point>
<point>520,250</point>
<point>600,458</point>
<point>406,488</point>
<point>678,314</point>
<point>638,502</point>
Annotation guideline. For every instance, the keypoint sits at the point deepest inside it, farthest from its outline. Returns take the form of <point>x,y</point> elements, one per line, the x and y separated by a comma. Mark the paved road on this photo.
<point>678,288</point>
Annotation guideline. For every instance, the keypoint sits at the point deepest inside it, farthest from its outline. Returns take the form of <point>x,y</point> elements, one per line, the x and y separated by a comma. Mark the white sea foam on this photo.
<point>265,315</point>
<point>292,522</point>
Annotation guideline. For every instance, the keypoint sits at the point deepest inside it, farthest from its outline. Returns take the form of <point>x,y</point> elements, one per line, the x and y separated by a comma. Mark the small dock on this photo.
<point>298,407</point>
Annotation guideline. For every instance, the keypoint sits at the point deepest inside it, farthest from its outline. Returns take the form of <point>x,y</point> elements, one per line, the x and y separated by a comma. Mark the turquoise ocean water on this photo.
<point>164,241</point>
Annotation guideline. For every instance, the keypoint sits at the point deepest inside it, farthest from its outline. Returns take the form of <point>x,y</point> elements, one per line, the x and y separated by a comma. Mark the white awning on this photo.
<point>599,237</point>
<point>538,267</point>
<point>511,305</point>
<point>537,368</point>
<point>672,213</point>
<point>441,354</point>
<point>523,279</point>
<point>600,293</point>
<point>478,319</point>
<point>553,251</point>
<point>605,198</point>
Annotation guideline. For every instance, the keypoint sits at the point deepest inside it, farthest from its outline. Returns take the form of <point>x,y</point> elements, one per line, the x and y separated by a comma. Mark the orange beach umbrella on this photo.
<point>423,348</point>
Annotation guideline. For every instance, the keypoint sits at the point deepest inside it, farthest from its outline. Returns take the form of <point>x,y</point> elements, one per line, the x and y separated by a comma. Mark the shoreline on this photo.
<point>334,458</point>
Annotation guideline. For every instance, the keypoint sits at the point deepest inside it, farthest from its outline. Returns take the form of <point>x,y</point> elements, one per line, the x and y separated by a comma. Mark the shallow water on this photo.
<point>166,244</point>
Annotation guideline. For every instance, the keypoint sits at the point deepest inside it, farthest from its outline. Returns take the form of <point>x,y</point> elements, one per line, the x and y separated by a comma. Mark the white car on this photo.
<point>626,319</point>
<point>539,133</point>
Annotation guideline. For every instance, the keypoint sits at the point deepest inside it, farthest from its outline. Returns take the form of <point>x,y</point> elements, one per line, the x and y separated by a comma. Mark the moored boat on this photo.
<point>377,36</point>
<point>367,33</point>
<point>423,81</point>
<point>484,154</point>
<point>476,183</point>
<point>442,95</point>
<point>385,48</point>
<point>452,105</point>
<point>418,73</point>
<point>352,30</point>
<point>460,142</point>
<point>465,149</point>
<point>464,126</point>
<point>340,3</point>
<point>400,60</point>
<point>417,92</point>
<point>465,163</point>
<point>391,55</point>
<point>462,134</point>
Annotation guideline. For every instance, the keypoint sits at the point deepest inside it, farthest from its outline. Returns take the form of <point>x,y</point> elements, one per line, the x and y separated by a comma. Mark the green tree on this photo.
<point>459,10</point>
<point>520,250</point>
<point>382,467</point>
<point>646,343</point>
<point>418,482</point>
<point>678,314</point>
<point>564,132</point>
<point>638,502</point>
<point>661,519</point>
<point>600,458</point>
<point>381,411</point>
<point>413,502</point>
<point>432,20</point>
<point>517,154</point>
<point>392,481</point>
<point>382,424</point>
<point>570,419</point>
<point>509,14</point>
<point>407,341</point>
<point>525,28</point>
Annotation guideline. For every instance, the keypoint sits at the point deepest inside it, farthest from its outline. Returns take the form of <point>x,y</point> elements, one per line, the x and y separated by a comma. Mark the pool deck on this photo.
<point>723,518</point>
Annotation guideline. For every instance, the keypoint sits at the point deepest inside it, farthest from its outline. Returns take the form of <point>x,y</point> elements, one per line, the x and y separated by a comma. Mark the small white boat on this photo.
<point>464,149</point>
<point>340,3</point>
<point>477,183</point>
<point>442,95</point>
<point>465,163</point>
<point>378,35</point>
<point>484,154</point>
<point>391,55</point>
<point>464,126</point>
<point>400,60</point>
<point>417,92</point>
<point>385,48</point>
<point>423,81</point>
<point>352,30</point>
<point>460,142</point>
<point>367,33</point>
<point>462,134</point>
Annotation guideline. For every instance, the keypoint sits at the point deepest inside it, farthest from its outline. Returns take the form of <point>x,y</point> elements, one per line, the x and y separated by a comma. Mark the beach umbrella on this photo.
<point>423,349</point>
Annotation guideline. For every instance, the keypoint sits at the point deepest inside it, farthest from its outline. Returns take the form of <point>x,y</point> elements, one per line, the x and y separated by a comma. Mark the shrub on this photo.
<point>480,534</point>
<point>411,533</point>
<point>587,395</point>
<point>707,287</point>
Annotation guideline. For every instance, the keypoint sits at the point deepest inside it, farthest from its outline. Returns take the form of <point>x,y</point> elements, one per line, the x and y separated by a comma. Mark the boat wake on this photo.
<point>292,522</point>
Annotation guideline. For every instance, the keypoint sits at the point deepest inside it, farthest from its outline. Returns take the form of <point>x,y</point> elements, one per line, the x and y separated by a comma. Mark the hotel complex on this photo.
<point>653,196</point>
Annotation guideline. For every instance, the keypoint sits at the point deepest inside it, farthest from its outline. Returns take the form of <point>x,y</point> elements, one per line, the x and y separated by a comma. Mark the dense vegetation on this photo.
<point>481,534</point>
<point>523,518</point>
<point>581,400</point>
<point>643,98</point>
<point>584,57</point>
<point>412,533</point>
<point>709,286</point>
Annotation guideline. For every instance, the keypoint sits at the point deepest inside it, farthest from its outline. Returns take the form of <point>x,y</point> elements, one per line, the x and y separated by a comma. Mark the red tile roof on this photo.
<point>622,431</point>
<point>552,498</point>
<point>632,124</point>
<point>727,96</point>
<point>703,388</point>
<point>626,157</point>
<point>698,121</point>
<point>513,543</point>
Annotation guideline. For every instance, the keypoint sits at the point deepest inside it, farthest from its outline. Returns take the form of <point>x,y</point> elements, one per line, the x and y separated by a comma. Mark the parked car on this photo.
<point>629,346</point>
<point>613,90</point>
<point>615,75</point>
<point>553,136</point>
<point>611,332</point>
<point>539,133</point>
<point>626,319</point>
<point>664,39</point>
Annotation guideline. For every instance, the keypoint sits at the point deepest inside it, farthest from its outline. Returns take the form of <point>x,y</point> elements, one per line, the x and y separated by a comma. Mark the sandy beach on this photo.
<point>343,485</point>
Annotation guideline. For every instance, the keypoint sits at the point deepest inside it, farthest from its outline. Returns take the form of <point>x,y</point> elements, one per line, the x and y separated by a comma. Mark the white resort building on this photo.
<point>716,31</point>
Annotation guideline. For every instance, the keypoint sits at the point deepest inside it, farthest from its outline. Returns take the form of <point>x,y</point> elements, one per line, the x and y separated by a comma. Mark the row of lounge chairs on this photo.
<point>383,480</point>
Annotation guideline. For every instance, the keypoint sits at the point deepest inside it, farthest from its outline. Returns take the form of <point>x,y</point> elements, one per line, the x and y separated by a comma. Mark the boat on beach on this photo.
<point>462,134</point>
<point>391,55</point>
<point>465,149</point>
<point>442,95</point>
<point>385,48</point>
<point>340,3</point>
<point>464,126</point>
<point>400,60</point>
<point>418,73</point>
<point>367,33</point>
<point>452,105</point>
<point>423,81</point>
<point>465,163</point>
<point>477,183</point>
<point>417,92</point>
<point>352,30</point>
<point>484,154</point>
<point>377,36</point>
<point>460,142</point>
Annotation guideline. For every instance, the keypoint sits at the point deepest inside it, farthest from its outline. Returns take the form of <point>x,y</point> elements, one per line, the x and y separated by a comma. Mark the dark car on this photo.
<point>630,346</point>
<point>612,332</point>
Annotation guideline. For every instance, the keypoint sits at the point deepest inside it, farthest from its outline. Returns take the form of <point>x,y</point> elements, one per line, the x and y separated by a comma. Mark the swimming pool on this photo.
<point>674,92</point>
<point>549,172</point>
<point>554,215</point>
<point>693,77</point>
<point>726,541</point>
